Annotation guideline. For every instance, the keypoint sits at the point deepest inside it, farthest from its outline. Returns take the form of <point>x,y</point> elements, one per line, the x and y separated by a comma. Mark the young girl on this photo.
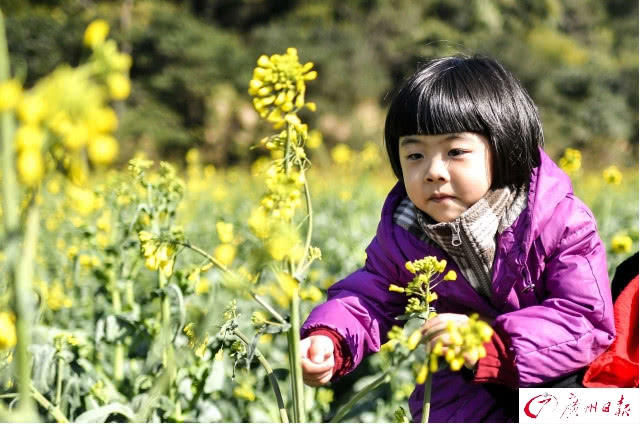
<point>475,188</point>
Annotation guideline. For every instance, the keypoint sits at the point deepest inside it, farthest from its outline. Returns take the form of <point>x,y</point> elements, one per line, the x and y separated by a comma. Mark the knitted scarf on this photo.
<point>470,240</point>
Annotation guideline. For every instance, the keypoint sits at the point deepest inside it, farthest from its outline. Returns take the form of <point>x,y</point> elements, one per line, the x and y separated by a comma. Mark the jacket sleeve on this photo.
<point>573,324</point>
<point>360,307</point>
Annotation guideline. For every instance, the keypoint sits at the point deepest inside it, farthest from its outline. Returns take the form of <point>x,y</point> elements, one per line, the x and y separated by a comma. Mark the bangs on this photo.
<point>460,94</point>
<point>439,105</point>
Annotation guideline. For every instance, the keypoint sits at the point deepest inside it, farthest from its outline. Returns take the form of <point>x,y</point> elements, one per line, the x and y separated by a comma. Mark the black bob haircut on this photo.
<point>469,94</point>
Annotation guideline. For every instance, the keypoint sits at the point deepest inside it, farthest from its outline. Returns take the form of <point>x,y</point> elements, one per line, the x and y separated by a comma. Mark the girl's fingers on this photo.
<point>438,324</point>
<point>442,337</point>
<point>318,380</point>
<point>311,368</point>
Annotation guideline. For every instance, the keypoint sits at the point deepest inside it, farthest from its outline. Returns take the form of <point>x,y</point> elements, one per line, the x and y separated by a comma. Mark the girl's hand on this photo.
<point>317,360</point>
<point>435,330</point>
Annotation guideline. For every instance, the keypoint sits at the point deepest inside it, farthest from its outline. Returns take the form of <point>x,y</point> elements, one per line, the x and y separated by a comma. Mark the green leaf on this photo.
<point>100,415</point>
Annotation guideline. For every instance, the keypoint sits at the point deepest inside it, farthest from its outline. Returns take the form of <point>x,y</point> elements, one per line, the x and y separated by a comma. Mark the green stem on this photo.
<point>294,360</point>
<point>118,356</point>
<point>213,260</point>
<point>426,401</point>
<point>303,265</point>
<point>385,377</point>
<point>199,389</point>
<point>44,402</point>
<point>165,316</point>
<point>59,381</point>
<point>287,148</point>
<point>223,268</point>
<point>269,308</point>
<point>272,378</point>
<point>24,306</point>
<point>22,272</point>
<point>7,123</point>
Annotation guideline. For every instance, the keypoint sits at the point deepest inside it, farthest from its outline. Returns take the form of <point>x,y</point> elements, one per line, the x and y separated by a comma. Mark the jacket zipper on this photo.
<point>455,236</point>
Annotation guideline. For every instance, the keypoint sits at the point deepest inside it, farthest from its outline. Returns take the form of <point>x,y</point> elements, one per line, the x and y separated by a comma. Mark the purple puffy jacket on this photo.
<point>556,328</point>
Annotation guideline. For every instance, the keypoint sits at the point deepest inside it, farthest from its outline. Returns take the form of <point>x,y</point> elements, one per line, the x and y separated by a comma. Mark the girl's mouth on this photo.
<point>440,198</point>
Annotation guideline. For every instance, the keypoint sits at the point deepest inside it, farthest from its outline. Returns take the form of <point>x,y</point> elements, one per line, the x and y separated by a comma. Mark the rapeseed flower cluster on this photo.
<point>158,255</point>
<point>420,289</point>
<point>68,110</point>
<point>571,162</point>
<point>199,345</point>
<point>467,340</point>
<point>284,195</point>
<point>278,86</point>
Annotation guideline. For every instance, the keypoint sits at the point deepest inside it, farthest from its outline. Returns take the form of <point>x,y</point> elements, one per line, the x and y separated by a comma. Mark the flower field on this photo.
<point>162,292</point>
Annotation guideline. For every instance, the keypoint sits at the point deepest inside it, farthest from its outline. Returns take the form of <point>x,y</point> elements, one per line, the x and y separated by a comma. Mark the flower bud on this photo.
<point>450,276</point>
<point>422,374</point>
<point>414,339</point>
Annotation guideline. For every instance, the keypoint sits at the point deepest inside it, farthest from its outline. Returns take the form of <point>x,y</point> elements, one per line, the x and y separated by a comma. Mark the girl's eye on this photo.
<point>455,152</point>
<point>414,156</point>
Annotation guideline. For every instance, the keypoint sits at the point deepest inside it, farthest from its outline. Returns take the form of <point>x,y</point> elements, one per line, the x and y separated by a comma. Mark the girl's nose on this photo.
<point>437,171</point>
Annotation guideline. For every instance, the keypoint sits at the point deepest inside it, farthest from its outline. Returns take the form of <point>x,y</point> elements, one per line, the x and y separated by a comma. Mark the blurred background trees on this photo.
<point>193,58</point>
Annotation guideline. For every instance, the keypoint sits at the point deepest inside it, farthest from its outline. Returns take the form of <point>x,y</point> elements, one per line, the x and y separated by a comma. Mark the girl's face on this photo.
<point>445,174</point>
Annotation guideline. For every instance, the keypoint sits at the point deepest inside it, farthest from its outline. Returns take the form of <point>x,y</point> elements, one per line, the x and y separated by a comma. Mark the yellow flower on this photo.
<point>621,243</point>
<point>96,33</point>
<point>341,154</point>
<point>450,276</point>
<point>219,355</point>
<point>225,231</point>
<point>202,286</point>
<point>10,94</point>
<point>30,167</point>
<point>29,137</point>
<point>202,348</point>
<point>82,200</point>
<point>284,245</point>
<point>311,293</point>
<point>422,374</point>
<point>287,283</point>
<point>456,364</point>
<point>119,86</point>
<point>31,109</point>
<point>244,392</point>
<point>612,175</point>
<point>571,161</point>
<point>104,222</point>
<point>8,337</point>
<point>76,136</point>
<point>56,297</point>
<point>484,330</point>
<point>438,348</point>
<point>396,288</point>
<point>72,252</point>
<point>315,139</point>
<point>192,156</point>
<point>103,149</point>
<point>145,236</point>
<point>53,186</point>
<point>414,339</point>
<point>103,120</point>
<point>225,253</point>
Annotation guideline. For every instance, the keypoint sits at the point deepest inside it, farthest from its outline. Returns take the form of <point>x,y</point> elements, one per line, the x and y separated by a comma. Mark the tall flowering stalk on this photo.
<point>466,339</point>
<point>56,124</point>
<point>278,88</point>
